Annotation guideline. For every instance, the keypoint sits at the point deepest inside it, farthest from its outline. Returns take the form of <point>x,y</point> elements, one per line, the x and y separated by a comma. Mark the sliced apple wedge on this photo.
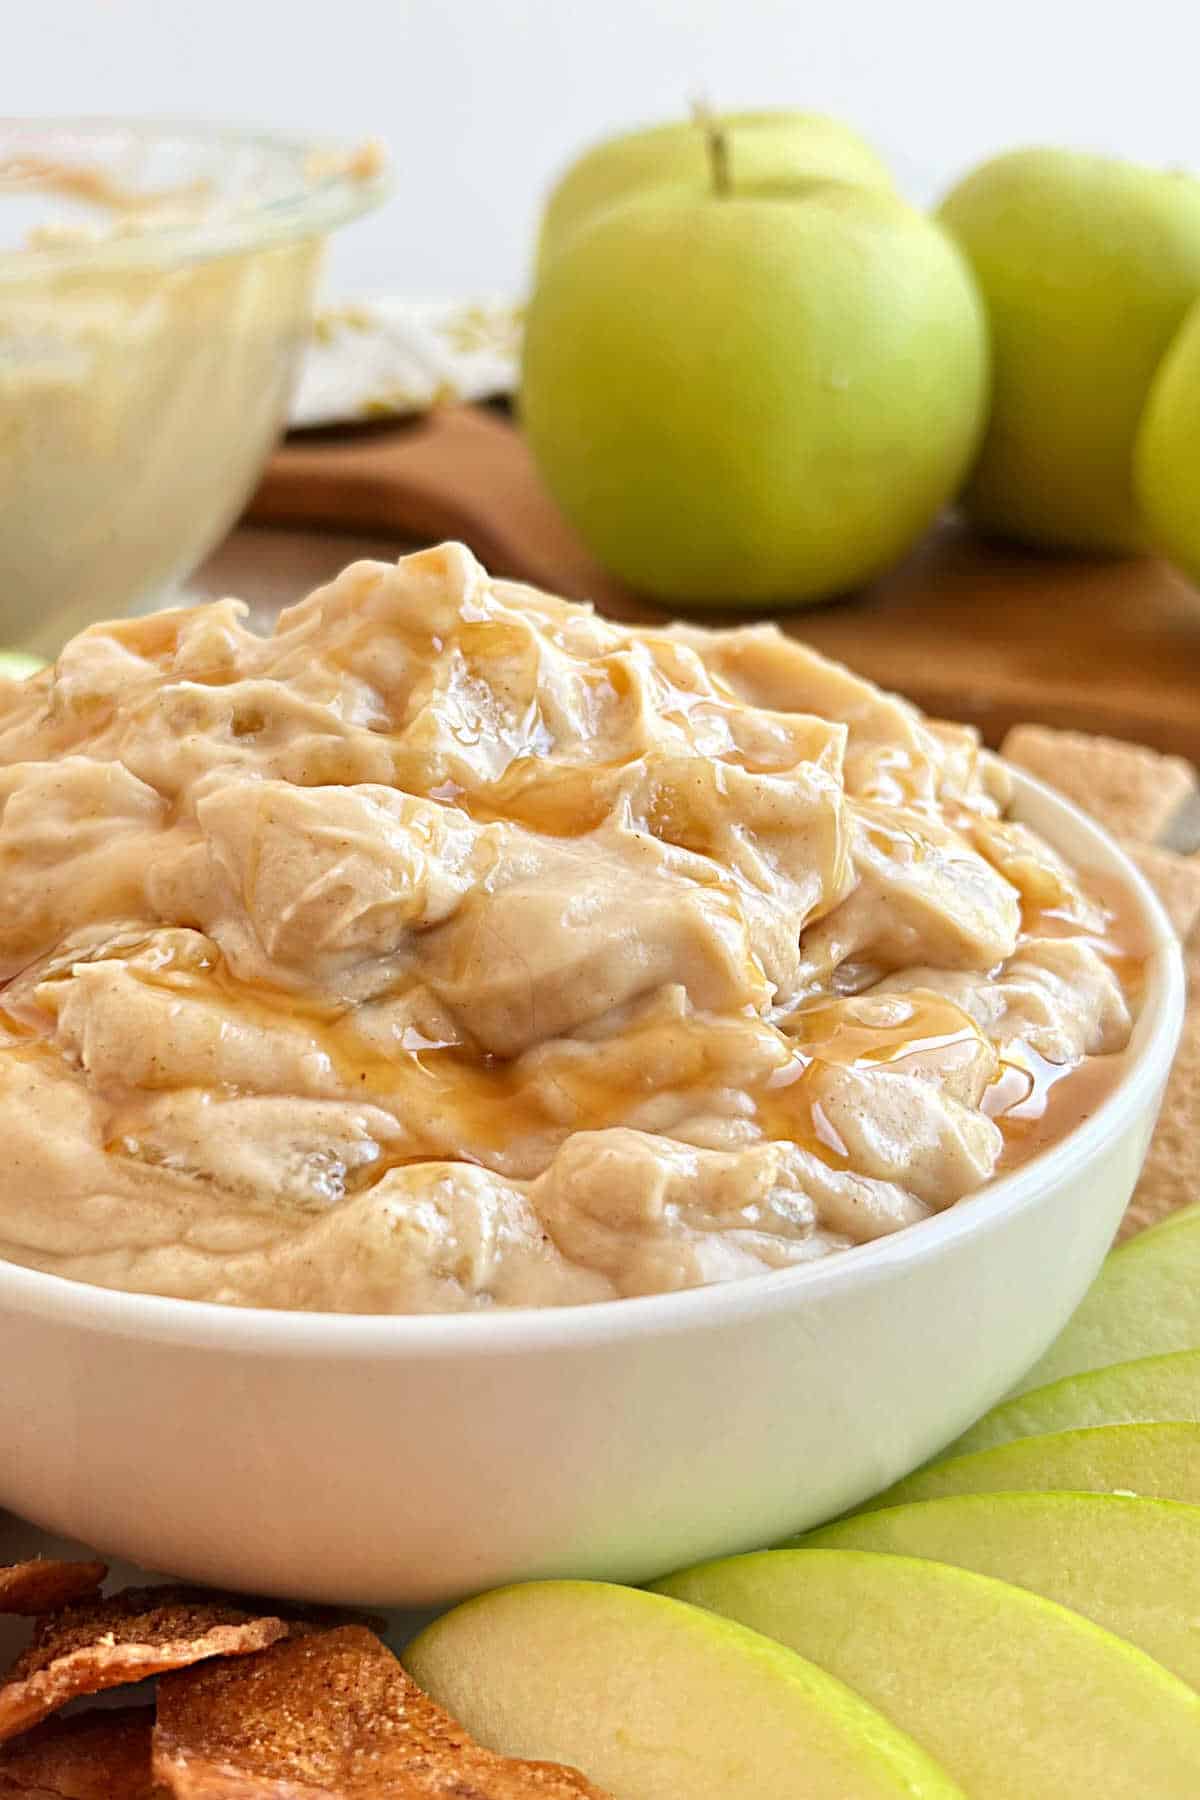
<point>15,665</point>
<point>1161,1462</point>
<point>654,1700</point>
<point>1152,1390</point>
<point>1144,1302</point>
<point>1015,1696</point>
<point>1132,1566</point>
<point>1185,1215</point>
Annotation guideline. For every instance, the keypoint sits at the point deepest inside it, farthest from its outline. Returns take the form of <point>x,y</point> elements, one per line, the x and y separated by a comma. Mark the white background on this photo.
<point>481,101</point>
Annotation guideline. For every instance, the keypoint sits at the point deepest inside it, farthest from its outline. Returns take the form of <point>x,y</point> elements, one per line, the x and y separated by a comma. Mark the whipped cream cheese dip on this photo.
<point>453,947</point>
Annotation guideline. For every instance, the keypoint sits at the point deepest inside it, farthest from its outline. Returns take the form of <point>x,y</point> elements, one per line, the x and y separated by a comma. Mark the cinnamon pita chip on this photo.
<point>96,1756</point>
<point>106,1643</point>
<point>43,1586</point>
<point>330,1716</point>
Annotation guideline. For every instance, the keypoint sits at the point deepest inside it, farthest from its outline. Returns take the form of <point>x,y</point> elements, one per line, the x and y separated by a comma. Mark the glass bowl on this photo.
<point>146,360</point>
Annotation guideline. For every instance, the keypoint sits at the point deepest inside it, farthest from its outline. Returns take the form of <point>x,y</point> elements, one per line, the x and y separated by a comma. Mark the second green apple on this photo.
<point>746,398</point>
<point>1088,265</point>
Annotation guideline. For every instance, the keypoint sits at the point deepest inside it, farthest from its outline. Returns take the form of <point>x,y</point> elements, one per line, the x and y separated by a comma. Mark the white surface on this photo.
<point>389,1461</point>
<point>481,100</point>
<point>392,358</point>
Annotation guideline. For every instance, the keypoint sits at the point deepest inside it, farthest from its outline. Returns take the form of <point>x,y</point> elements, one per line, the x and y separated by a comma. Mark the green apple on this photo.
<point>1160,1461</point>
<point>1016,1697</point>
<point>763,147</point>
<point>1184,1215</point>
<point>1166,459</point>
<point>746,400</point>
<point>1144,1302</point>
<point>15,665</point>
<point>654,1700</point>
<point>1132,1566</point>
<point>1154,1389</point>
<point>1088,265</point>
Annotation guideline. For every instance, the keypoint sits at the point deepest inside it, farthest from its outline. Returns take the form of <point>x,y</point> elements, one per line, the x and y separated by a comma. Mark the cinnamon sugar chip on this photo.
<point>1132,791</point>
<point>95,1756</point>
<point>330,1716</point>
<point>43,1585</point>
<point>106,1643</point>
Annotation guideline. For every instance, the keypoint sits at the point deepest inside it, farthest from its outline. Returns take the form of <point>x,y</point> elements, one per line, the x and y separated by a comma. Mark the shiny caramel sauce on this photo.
<point>1033,1102</point>
<point>455,1103</point>
<point>569,800</point>
<point>1056,1107</point>
<point>898,1029</point>
<point>1122,941</point>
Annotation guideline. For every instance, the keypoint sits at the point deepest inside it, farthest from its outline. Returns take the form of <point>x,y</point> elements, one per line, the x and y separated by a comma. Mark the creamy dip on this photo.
<point>453,948</point>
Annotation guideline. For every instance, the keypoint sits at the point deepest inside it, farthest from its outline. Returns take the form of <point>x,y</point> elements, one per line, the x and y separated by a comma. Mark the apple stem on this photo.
<point>716,142</point>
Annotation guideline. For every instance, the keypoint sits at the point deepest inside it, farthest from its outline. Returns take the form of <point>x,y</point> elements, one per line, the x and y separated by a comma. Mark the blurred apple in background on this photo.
<point>762,148</point>
<point>1167,452</point>
<point>1087,265</point>
<point>746,396</point>
<point>15,665</point>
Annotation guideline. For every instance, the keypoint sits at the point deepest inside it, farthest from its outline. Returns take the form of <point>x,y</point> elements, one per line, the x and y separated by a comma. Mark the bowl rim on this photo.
<point>279,1333</point>
<point>313,209</point>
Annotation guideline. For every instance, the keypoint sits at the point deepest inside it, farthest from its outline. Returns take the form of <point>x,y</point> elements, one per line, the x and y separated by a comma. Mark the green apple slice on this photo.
<point>1159,1461</point>
<point>1144,1302</point>
<point>1184,1216</point>
<point>654,1700</point>
<point>15,665</point>
<point>1154,1389</point>
<point>1132,1566</point>
<point>1015,1696</point>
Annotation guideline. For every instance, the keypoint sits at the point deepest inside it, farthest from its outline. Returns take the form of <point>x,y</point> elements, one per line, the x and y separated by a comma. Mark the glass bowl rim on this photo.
<point>310,210</point>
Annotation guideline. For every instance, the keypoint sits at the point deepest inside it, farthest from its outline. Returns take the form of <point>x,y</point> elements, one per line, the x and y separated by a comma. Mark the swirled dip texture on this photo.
<point>455,948</point>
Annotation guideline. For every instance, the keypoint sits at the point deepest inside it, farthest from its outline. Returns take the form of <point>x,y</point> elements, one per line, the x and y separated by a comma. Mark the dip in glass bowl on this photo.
<point>156,287</point>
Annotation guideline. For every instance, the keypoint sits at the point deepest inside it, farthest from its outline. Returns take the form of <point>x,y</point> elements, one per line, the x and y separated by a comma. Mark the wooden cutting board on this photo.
<point>968,629</point>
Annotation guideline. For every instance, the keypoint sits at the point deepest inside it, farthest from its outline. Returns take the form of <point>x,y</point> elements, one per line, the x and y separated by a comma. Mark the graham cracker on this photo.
<point>1132,791</point>
<point>1170,1176</point>
<point>1143,797</point>
<point>1174,878</point>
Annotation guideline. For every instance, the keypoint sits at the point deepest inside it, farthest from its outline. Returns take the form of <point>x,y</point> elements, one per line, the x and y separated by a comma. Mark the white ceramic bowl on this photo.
<point>407,1461</point>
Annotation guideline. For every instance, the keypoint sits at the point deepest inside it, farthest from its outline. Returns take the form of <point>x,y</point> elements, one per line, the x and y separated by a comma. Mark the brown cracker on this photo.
<point>1132,791</point>
<point>106,1643</point>
<point>1175,879</point>
<point>43,1585</point>
<point>329,1716</point>
<point>94,1756</point>
<point>1170,1176</point>
<point>1137,793</point>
